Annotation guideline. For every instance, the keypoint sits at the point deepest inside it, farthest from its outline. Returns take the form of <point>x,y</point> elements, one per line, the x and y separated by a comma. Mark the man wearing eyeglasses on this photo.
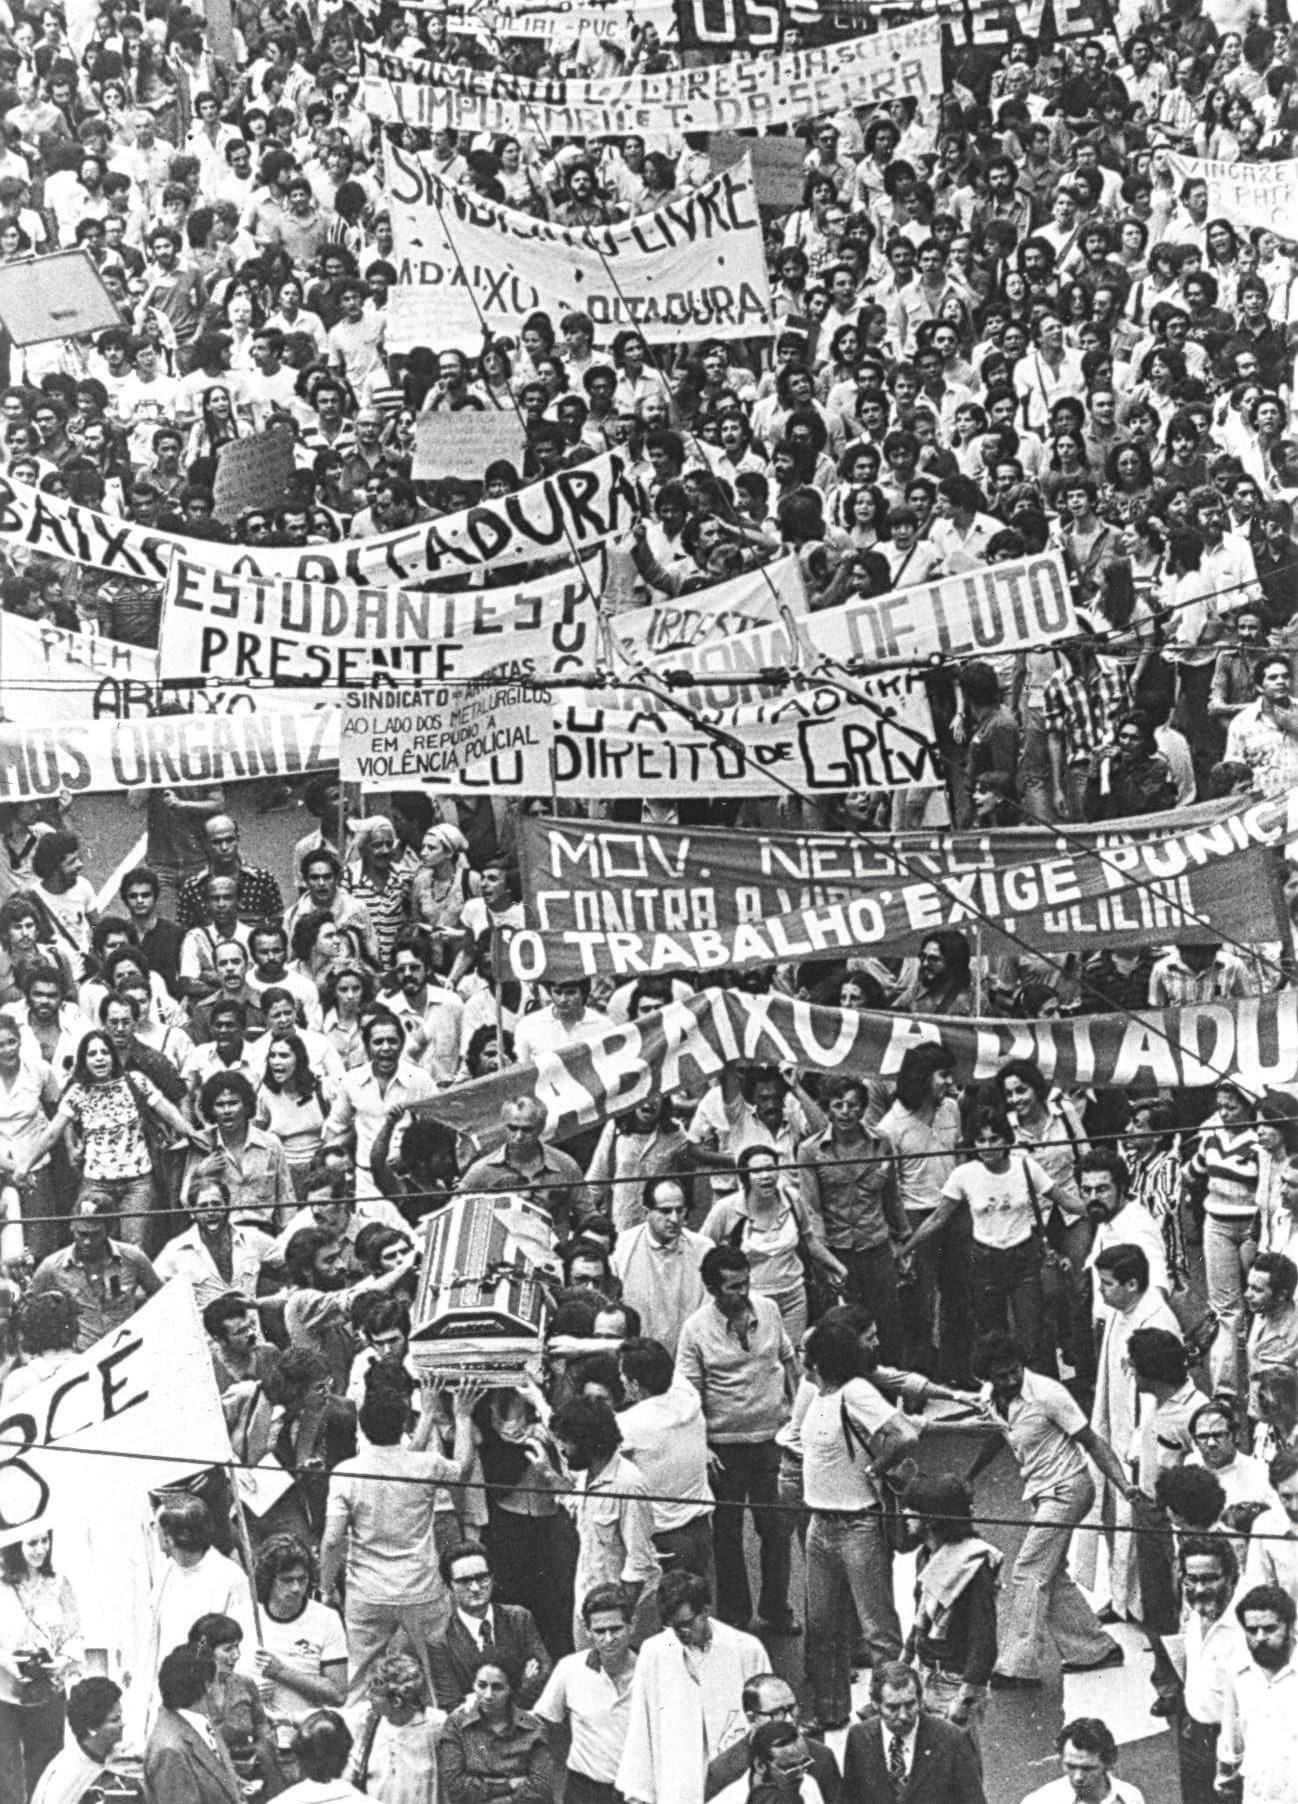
<point>769,1700</point>
<point>477,1624</point>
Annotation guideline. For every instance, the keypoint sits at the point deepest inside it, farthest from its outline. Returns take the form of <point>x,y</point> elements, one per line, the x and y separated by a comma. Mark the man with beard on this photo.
<point>1051,1439</point>
<point>1259,1725</point>
<point>322,874</point>
<point>318,1309</point>
<point>429,1012</point>
<point>1214,1645</point>
<point>239,1356</point>
<point>612,1511</point>
<point>1120,1220</point>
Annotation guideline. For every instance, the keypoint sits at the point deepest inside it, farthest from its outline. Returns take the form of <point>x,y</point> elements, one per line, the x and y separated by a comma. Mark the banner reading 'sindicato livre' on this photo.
<point>694,268</point>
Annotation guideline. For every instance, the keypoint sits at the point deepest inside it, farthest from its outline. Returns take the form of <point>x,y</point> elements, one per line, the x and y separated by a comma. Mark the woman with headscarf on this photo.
<point>442,885</point>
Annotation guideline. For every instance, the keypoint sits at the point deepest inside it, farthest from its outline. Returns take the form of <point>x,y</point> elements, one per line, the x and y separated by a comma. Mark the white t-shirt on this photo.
<point>71,910</point>
<point>314,1640</point>
<point>835,1474</point>
<point>1000,1201</point>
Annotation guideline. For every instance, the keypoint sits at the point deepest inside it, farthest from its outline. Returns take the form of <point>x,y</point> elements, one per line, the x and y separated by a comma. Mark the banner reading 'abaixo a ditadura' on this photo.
<point>690,1043</point>
<point>562,516</point>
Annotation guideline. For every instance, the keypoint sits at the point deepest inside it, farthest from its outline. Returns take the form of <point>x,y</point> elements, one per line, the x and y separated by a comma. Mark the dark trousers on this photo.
<point>535,1559</point>
<point>1005,1287</point>
<point>30,1736</point>
<point>938,1309</point>
<point>1196,1754</point>
<point>689,1549</point>
<point>578,1789</point>
<point>750,1474</point>
<point>1160,1606</point>
<point>872,1280</point>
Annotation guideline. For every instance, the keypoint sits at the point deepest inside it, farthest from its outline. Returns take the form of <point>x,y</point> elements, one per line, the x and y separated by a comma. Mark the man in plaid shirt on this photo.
<point>1081,703</point>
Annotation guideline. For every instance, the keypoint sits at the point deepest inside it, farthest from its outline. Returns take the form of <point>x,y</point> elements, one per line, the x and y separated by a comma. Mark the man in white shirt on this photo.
<point>369,1091</point>
<point>1119,1221</point>
<point>1259,1725</point>
<point>1213,1428</point>
<point>590,1692</point>
<point>568,1017</point>
<point>663,1431</point>
<point>214,1253</point>
<point>429,1012</point>
<point>961,532</point>
<point>1271,1557</point>
<point>1088,1754</point>
<point>685,1696</point>
<point>1214,1645</point>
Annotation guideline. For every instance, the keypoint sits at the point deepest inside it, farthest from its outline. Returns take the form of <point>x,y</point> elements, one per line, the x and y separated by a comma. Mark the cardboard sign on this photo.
<point>58,296</point>
<point>253,472</point>
<point>464,443</point>
<point>482,735</point>
<point>778,165</point>
<point>1247,194</point>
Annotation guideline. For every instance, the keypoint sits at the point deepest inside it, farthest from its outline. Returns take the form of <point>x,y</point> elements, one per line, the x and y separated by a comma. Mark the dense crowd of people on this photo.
<point>652,1572</point>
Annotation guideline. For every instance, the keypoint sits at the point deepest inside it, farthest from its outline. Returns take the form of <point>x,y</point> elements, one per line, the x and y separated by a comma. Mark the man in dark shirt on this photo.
<point>259,893</point>
<point>158,938</point>
<point>991,763</point>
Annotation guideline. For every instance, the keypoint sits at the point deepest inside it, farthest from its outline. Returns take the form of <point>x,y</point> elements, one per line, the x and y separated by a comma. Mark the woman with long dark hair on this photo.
<point>40,1655</point>
<point>291,1107</point>
<point>107,1108</point>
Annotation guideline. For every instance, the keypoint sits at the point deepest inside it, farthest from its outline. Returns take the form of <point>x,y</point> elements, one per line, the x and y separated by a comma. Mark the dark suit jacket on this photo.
<point>454,1655</point>
<point>944,1770</point>
<point>180,1768</point>
<point>732,1763</point>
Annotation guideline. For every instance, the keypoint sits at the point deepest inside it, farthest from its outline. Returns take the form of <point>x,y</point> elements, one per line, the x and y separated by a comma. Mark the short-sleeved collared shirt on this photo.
<point>259,897</point>
<point>104,1295</point>
<point>1042,1425</point>
<point>596,1708</point>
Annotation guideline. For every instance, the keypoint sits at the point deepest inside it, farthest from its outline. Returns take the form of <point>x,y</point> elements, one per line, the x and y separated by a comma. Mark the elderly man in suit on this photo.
<point>186,1761</point>
<point>478,1624</point>
<point>906,1753</point>
<point>767,1698</point>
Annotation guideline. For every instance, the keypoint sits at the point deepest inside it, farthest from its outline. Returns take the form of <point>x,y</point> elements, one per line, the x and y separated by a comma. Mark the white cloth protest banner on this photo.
<point>145,1392</point>
<point>562,516</point>
<point>816,740</point>
<point>241,629</point>
<point>1247,194</point>
<point>753,91</point>
<point>165,752</point>
<point>976,614</point>
<point>51,674</point>
<point>695,268</point>
<point>686,623</point>
<point>495,737</point>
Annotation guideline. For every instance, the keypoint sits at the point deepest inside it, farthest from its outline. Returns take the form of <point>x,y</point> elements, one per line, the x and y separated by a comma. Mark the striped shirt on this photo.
<point>388,908</point>
<point>1228,1158</point>
<point>1082,712</point>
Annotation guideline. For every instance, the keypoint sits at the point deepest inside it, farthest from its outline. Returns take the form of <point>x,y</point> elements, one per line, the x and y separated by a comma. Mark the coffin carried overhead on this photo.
<point>480,1309</point>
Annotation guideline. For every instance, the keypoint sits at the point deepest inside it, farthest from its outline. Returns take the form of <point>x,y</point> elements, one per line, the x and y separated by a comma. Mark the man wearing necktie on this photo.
<point>906,1752</point>
<point>478,1624</point>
